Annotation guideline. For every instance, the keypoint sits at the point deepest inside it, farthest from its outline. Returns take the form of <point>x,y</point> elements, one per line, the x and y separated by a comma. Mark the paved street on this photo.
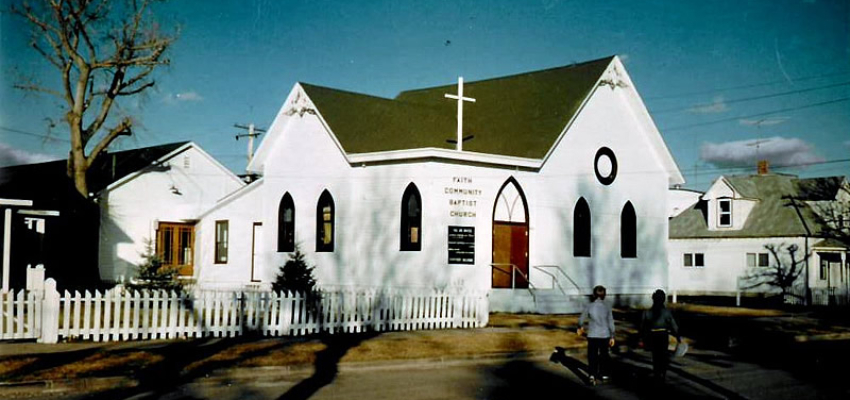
<point>700,375</point>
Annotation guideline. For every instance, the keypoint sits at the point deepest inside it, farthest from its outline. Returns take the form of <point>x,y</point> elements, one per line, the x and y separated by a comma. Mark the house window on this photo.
<point>758,260</point>
<point>724,209</point>
<point>221,236</point>
<point>581,229</point>
<point>286,224</point>
<point>175,245</point>
<point>628,232</point>
<point>694,260</point>
<point>325,222</point>
<point>411,219</point>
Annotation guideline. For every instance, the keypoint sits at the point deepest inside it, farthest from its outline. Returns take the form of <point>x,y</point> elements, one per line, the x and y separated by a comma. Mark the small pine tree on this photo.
<point>153,275</point>
<point>295,275</point>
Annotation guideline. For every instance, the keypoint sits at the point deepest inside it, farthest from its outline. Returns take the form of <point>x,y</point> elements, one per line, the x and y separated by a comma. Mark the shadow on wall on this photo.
<point>110,239</point>
<point>639,276</point>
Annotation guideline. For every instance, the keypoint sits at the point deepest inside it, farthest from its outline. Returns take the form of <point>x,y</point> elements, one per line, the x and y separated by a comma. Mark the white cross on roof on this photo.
<point>460,100</point>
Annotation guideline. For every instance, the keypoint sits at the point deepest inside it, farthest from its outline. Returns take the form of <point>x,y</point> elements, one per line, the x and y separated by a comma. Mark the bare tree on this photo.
<point>782,273</point>
<point>836,217</point>
<point>103,50</point>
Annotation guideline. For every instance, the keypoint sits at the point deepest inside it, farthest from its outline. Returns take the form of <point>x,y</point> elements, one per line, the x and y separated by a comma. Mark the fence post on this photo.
<point>483,310</point>
<point>50,313</point>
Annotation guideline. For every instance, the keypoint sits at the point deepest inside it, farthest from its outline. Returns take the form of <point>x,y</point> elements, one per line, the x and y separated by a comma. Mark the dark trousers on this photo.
<point>597,356</point>
<point>658,342</point>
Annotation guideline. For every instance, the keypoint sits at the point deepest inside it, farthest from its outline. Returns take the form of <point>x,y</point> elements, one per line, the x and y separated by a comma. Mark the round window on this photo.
<point>605,165</point>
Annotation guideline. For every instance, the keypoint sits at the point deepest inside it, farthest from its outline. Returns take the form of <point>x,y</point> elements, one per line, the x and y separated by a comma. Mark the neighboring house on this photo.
<point>157,206</point>
<point>559,181</point>
<point>720,245</point>
<point>148,195</point>
<point>58,228</point>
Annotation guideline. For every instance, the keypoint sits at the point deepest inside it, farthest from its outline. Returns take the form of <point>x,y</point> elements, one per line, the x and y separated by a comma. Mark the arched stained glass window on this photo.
<point>581,230</point>
<point>411,219</point>
<point>286,224</point>
<point>628,232</point>
<point>325,222</point>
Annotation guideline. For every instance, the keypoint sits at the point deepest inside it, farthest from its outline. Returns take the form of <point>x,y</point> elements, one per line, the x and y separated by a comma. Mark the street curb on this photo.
<point>62,385</point>
<point>240,373</point>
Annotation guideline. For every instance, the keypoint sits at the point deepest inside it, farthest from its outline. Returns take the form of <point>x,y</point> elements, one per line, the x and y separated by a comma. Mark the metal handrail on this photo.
<point>514,270</point>
<point>554,279</point>
<point>558,267</point>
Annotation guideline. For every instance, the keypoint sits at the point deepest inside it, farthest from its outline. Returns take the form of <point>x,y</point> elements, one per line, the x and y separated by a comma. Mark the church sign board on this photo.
<point>461,244</point>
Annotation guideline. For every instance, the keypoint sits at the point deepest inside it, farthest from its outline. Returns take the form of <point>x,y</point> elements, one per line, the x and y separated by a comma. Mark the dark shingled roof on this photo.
<point>48,182</point>
<point>520,115</point>
<point>774,214</point>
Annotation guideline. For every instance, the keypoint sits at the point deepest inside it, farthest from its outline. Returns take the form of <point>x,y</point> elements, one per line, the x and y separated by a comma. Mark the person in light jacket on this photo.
<point>656,325</point>
<point>600,334</point>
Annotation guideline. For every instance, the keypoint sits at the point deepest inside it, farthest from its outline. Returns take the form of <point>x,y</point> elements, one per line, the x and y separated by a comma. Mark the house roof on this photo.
<point>48,183</point>
<point>780,210</point>
<point>520,115</point>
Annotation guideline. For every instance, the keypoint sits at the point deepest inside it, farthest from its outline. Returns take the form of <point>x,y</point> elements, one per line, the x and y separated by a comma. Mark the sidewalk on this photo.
<point>100,366</point>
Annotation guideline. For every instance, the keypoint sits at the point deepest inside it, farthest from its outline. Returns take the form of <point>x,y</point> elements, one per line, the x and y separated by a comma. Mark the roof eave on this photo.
<point>442,154</point>
<point>166,157</point>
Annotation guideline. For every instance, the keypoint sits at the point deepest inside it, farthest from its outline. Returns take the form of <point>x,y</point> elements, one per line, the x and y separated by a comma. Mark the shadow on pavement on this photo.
<point>525,379</point>
<point>185,362</point>
<point>326,366</point>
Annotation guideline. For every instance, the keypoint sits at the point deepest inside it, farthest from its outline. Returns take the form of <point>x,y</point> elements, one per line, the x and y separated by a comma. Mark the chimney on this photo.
<point>762,167</point>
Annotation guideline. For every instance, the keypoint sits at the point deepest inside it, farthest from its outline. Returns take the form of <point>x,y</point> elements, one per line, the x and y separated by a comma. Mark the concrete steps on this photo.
<point>536,301</point>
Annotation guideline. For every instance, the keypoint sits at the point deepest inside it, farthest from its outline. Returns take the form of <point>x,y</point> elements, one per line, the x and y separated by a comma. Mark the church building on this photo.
<point>550,181</point>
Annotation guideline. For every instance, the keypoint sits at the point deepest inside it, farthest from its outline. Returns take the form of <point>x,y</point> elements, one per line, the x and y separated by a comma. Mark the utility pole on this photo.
<point>252,133</point>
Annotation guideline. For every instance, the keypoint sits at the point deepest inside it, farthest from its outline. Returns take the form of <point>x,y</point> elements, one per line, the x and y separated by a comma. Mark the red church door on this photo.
<point>510,238</point>
<point>510,249</point>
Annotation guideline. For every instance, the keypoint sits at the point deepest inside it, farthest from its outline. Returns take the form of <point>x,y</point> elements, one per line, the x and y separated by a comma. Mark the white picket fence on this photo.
<point>18,315</point>
<point>138,315</point>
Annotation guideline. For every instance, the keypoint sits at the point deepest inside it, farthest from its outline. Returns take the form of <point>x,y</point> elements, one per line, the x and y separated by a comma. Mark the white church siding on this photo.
<point>605,121</point>
<point>182,185</point>
<point>241,210</point>
<point>302,155</point>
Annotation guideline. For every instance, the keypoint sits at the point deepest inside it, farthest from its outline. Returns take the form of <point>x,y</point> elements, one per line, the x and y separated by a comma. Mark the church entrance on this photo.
<point>510,238</point>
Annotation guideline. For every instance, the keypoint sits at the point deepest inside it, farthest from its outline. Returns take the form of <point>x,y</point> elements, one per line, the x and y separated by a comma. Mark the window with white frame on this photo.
<point>724,212</point>
<point>758,260</point>
<point>694,260</point>
<point>221,234</point>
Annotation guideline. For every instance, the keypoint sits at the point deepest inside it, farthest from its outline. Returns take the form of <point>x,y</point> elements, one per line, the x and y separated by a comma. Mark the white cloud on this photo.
<point>764,121</point>
<point>12,156</point>
<point>776,150</point>
<point>190,96</point>
<point>715,107</point>
<point>624,58</point>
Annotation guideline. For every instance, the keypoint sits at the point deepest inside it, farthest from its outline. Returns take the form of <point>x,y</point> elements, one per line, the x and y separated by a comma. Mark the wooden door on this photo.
<point>510,248</point>
<point>175,246</point>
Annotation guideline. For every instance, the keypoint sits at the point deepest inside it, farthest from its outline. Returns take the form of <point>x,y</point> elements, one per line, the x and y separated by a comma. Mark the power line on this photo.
<point>707,170</point>
<point>743,99</point>
<point>752,85</point>
<point>20,132</point>
<point>803,107</point>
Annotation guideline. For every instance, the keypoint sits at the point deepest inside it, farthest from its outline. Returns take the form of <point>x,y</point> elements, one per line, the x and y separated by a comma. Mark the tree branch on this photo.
<point>36,88</point>
<point>122,129</point>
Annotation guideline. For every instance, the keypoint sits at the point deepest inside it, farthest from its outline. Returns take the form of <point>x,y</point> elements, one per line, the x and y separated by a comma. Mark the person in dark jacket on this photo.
<point>656,325</point>
<point>600,333</point>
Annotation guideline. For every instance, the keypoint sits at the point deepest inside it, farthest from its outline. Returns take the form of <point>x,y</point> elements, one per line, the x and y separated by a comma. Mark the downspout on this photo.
<point>806,244</point>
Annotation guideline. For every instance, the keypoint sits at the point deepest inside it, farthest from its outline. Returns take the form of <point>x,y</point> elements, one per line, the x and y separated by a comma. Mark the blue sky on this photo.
<point>716,76</point>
